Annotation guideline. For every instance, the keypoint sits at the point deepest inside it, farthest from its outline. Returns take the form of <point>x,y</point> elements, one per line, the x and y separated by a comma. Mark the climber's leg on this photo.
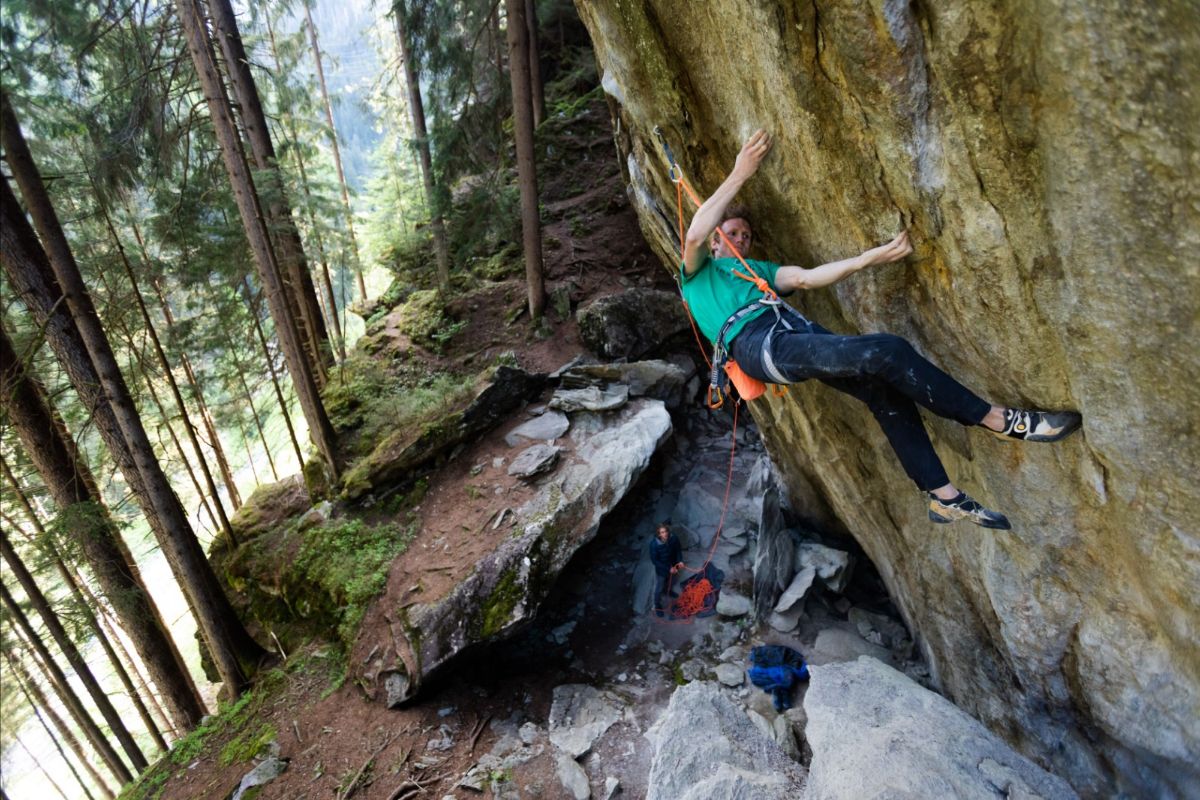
<point>883,357</point>
<point>894,410</point>
<point>902,425</point>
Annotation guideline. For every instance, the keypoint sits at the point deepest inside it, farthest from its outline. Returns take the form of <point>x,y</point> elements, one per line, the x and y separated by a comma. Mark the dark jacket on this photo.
<point>666,554</point>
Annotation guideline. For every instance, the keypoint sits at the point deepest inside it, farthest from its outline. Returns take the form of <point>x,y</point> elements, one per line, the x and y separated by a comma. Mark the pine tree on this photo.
<point>200,48</point>
<point>63,688</point>
<point>279,213</point>
<point>531,226</point>
<point>337,152</point>
<point>416,110</point>
<point>72,486</point>
<point>89,361</point>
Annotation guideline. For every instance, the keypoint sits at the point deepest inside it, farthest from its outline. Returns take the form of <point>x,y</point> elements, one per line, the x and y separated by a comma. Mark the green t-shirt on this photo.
<point>713,293</point>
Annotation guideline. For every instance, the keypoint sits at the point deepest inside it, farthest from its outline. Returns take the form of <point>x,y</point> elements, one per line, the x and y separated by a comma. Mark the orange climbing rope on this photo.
<point>698,594</point>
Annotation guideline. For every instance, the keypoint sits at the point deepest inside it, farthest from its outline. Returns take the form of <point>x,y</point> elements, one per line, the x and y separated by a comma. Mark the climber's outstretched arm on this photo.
<point>708,217</point>
<point>789,279</point>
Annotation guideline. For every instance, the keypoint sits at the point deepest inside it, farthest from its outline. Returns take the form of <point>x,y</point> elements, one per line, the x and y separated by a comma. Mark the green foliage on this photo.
<point>677,675</point>
<point>150,784</point>
<point>349,560</point>
<point>570,105</point>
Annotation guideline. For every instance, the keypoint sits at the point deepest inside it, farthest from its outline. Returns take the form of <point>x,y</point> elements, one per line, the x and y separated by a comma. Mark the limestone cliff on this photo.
<point>1044,156</point>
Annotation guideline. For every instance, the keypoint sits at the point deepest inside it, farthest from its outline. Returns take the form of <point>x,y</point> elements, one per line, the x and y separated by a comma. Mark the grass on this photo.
<point>233,718</point>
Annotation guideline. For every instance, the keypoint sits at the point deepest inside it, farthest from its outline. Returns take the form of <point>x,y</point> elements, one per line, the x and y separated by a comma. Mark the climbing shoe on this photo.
<point>963,507</point>
<point>1039,426</point>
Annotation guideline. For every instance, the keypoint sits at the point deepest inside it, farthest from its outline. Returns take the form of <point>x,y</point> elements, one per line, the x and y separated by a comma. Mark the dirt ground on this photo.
<point>346,745</point>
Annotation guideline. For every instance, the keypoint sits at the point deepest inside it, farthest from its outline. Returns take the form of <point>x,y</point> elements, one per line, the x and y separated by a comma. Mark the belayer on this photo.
<point>741,314</point>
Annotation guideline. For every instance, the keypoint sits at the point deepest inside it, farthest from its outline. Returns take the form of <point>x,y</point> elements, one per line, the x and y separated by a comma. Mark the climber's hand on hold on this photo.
<point>752,153</point>
<point>893,251</point>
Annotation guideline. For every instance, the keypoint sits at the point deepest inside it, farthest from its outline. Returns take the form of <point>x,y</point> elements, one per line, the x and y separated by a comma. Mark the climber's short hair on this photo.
<point>737,211</point>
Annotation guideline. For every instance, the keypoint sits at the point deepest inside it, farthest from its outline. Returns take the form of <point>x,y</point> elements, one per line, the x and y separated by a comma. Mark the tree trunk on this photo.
<point>37,712</point>
<point>63,687</point>
<point>37,698</point>
<point>334,319</point>
<point>93,371</point>
<point>90,602</point>
<point>72,654</point>
<point>320,429</point>
<point>146,687</point>
<point>531,226</point>
<point>47,546</point>
<point>416,110</point>
<point>187,464</point>
<point>283,408</point>
<point>165,366</point>
<point>337,152</point>
<point>210,426</point>
<point>249,395</point>
<point>54,455</point>
<point>536,92</point>
<point>279,213</point>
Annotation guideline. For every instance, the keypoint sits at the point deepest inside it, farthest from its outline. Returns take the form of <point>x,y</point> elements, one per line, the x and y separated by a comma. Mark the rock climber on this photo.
<point>667,556</point>
<point>775,344</point>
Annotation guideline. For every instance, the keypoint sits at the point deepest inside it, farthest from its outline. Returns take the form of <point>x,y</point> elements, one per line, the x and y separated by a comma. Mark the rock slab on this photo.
<point>632,323</point>
<point>706,748</point>
<point>579,715</point>
<point>609,453</point>
<point>876,733</point>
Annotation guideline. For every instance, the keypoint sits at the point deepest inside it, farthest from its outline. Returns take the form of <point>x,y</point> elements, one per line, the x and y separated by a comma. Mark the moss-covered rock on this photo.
<point>420,442</point>
<point>269,506</point>
<point>313,574</point>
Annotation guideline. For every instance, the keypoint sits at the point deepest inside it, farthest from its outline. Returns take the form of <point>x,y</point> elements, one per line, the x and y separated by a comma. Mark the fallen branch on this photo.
<point>477,731</point>
<point>413,786</point>
<point>352,787</point>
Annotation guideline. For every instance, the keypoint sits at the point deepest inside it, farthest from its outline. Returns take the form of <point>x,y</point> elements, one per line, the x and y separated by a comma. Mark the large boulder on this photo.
<point>1043,158</point>
<point>706,748</point>
<point>609,452</point>
<point>397,456</point>
<point>632,323</point>
<point>876,733</point>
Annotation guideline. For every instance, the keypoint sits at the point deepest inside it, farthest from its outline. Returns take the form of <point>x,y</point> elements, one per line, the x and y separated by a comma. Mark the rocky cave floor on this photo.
<point>587,677</point>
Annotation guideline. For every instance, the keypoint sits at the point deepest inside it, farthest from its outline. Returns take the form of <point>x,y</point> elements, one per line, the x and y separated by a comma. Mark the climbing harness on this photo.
<point>748,388</point>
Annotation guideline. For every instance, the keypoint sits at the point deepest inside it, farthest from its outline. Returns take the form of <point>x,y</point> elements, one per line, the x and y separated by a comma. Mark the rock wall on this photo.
<point>1044,156</point>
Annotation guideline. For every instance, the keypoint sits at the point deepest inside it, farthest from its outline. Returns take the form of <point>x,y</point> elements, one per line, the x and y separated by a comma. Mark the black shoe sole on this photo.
<point>1072,426</point>
<point>1003,525</point>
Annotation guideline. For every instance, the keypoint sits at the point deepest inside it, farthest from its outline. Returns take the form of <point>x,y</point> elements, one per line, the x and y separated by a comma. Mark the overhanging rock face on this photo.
<point>1044,159</point>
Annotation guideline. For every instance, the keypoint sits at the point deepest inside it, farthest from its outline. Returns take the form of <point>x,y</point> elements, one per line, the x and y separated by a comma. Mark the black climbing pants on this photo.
<point>880,369</point>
